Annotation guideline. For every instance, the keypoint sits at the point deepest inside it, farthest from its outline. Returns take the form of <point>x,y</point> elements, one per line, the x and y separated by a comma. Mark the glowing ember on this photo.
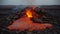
<point>25,23</point>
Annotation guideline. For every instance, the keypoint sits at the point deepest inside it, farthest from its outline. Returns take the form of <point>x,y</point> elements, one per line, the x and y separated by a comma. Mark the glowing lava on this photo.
<point>29,13</point>
<point>25,23</point>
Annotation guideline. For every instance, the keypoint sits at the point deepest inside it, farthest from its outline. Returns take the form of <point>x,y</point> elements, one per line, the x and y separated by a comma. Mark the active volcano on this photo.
<point>29,21</point>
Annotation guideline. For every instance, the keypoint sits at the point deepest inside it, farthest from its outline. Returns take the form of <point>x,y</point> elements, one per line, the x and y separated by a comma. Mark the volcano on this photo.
<point>26,22</point>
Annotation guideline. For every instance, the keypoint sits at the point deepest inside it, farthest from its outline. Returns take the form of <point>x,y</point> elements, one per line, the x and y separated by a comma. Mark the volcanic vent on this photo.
<point>30,20</point>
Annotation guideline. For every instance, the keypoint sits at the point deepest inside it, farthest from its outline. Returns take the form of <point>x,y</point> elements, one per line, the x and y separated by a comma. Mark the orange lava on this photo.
<point>26,24</point>
<point>29,13</point>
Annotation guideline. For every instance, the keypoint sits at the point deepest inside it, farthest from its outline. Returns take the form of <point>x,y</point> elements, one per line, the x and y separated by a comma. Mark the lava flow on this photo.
<point>24,23</point>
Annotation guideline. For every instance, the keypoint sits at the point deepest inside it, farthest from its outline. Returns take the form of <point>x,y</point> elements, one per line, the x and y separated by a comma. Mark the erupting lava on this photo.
<point>25,23</point>
<point>29,13</point>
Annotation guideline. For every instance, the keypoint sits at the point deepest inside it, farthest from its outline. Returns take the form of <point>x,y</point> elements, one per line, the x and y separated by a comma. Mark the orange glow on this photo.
<point>29,13</point>
<point>26,24</point>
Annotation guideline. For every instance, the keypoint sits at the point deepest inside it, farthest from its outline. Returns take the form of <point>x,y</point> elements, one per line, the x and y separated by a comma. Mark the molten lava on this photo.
<point>25,23</point>
<point>29,13</point>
